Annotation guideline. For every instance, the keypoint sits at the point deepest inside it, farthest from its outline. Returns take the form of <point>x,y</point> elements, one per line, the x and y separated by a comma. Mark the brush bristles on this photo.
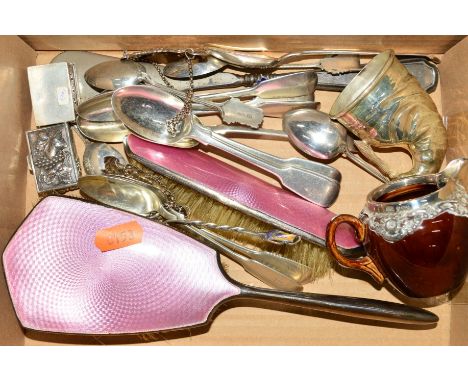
<point>201,207</point>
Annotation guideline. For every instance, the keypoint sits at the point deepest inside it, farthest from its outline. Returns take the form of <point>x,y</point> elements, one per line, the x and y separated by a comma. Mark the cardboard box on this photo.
<point>239,325</point>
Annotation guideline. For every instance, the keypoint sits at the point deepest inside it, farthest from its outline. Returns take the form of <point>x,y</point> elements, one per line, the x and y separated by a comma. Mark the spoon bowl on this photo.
<point>314,133</point>
<point>110,75</point>
<point>110,132</point>
<point>98,109</point>
<point>200,67</point>
<point>132,196</point>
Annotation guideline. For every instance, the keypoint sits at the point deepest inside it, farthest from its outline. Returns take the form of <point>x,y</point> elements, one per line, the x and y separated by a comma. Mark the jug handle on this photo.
<point>365,263</point>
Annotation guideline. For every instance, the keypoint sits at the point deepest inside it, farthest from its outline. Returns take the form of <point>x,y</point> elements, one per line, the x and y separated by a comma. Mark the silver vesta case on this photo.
<point>52,158</point>
<point>53,93</point>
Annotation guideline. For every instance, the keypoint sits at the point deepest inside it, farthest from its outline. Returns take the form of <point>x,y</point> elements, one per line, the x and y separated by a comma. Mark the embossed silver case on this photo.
<point>53,93</point>
<point>52,158</point>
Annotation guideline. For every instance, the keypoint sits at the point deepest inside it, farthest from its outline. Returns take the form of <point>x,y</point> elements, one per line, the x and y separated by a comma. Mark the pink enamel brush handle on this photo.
<point>247,192</point>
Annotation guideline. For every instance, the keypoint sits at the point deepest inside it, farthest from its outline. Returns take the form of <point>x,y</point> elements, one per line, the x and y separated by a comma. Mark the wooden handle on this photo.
<point>365,264</point>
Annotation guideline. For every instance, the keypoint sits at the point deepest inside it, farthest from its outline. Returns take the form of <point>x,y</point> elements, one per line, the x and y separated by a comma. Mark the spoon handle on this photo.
<point>263,272</point>
<point>291,268</point>
<point>314,186</point>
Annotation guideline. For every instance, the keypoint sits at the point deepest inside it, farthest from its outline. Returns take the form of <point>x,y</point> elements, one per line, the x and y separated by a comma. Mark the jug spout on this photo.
<point>457,169</point>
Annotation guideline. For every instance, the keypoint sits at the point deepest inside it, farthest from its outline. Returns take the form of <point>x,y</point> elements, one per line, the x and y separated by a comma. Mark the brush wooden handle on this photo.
<point>348,306</point>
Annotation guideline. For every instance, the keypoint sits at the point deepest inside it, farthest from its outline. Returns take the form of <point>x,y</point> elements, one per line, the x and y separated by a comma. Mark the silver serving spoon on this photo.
<point>111,75</point>
<point>99,108</point>
<point>82,62</point>
<point>145,200</point>
<point>115,132</point>
<point>244,61</point>
<point>95,155</point>
<point>314,133</point>
<point>145,111</point>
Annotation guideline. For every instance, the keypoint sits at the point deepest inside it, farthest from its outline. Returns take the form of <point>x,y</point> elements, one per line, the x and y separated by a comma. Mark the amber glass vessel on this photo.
<point>415,233</point>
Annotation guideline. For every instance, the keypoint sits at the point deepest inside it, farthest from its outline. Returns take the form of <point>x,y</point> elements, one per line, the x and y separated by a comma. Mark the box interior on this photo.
<point>240,325</point>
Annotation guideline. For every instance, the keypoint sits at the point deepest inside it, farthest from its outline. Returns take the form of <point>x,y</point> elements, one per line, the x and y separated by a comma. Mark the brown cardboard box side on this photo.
<point>15,117</point>
<point>242,325</point>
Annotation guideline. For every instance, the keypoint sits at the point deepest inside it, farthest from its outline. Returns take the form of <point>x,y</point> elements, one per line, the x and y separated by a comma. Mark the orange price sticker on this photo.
<point>119,236</point>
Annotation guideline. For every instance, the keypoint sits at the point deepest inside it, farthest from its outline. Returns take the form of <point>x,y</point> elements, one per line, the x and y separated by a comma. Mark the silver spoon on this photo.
<point>98,109</point>
<point>144,200</point>
<point>145,110</point>
<point>314,133</point>
<point>115,132</point>
<point>223,58</point>
<point>111,75</point>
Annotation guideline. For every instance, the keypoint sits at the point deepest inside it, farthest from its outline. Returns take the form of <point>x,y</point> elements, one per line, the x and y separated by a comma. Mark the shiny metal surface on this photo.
<point>314,133</point>
<point>220,59</point>
<point>95,154</point>
<point>94,157</point>
<point>231,111</point>
<point>110,132</point>
<point>53,159</point>
<point>145,110</point>
<point>98,109</point>
<point>424,70</point>
<point>201,67</point>
<point>385,106</point>
<point>82,62</point>
<point>112,75</point>
<point>53,93</point>
<point>299,84</point>
<point>275,107</point>
<point>142,199</point>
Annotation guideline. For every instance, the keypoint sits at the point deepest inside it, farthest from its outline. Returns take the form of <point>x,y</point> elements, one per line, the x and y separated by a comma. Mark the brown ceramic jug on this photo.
<point>415,233</point>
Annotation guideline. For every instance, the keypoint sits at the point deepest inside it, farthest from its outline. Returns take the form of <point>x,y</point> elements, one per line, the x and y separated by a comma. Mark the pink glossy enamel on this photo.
<point>243,188</point>
<point>60,281</point>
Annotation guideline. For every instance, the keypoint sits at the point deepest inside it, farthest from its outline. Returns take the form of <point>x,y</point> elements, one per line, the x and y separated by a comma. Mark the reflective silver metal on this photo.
<point>53,93</point>
<point>220,59</point>
<point>113,74</point>
<point>275,107</point>
<point>110,132</point>
<point>53,159</point>
<point>231,111</point>
<point>95,154</point>
<point>396,220</point>
<point>98,109</point>
<point>300,84</point>
<point>314,133</point>
<point>145,113</point>
<point>143,199</point>
<point>424,70</point>
<point>82,61</point>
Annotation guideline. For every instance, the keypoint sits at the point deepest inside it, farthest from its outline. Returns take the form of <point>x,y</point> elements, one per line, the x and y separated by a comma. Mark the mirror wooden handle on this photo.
<point>365,264</point>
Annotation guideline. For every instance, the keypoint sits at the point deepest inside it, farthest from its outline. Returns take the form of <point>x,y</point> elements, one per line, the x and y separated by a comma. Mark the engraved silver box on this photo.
<point>52,158</point>
<point>53,93</point>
